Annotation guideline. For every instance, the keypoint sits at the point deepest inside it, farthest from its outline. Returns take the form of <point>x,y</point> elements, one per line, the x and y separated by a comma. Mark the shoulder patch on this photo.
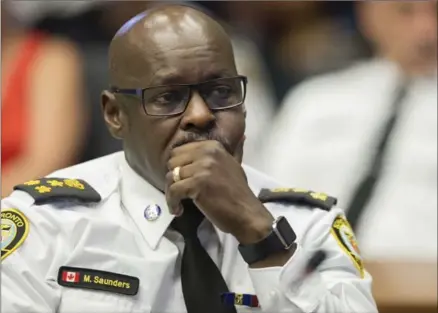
<point>50,189</point>
<point>14,227</point>
<point>346,239</point>
<point>298,196</point>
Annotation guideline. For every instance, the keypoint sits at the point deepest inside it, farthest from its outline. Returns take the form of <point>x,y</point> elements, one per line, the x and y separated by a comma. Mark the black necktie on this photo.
<point>202,282</point>
<point>365,189</point>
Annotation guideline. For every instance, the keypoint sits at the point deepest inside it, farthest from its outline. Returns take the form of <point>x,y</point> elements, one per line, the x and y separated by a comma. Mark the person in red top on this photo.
<point>42,118</point>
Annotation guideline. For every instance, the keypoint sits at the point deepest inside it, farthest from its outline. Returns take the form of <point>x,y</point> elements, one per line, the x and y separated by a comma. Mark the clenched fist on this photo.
<point>216,182</point>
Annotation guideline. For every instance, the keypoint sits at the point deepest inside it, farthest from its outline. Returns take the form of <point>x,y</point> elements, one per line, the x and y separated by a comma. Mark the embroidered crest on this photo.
<point>49,189</point>
<point>346,239</point>
<point>14,227</point>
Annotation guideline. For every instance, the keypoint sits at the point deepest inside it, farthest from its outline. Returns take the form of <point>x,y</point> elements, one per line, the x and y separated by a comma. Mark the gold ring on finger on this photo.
<point>175,172</point>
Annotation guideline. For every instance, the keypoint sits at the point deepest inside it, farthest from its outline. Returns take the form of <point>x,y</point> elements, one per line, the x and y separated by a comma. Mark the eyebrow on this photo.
<point>175,79</point>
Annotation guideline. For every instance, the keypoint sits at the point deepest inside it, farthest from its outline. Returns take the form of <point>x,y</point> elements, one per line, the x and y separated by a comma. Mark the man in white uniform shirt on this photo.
<point>174,223</point>
<point>375,121</point>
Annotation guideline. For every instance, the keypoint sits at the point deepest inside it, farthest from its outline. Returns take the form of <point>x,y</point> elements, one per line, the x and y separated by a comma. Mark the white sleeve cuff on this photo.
<point>281,288</point>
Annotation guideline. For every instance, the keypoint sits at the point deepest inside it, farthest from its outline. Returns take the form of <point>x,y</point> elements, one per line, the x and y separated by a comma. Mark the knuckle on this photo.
<point>203,178</point>
<point>209,163</point>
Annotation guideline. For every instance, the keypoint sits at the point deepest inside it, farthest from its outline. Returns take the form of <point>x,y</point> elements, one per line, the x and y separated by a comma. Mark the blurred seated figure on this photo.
<point>368,134</point>
<point>297,38</point>
<point>42,122</point>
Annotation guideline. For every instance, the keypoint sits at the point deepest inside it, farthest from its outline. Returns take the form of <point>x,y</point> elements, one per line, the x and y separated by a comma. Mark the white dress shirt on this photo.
<point>113,235</point>
<point>326,137</point>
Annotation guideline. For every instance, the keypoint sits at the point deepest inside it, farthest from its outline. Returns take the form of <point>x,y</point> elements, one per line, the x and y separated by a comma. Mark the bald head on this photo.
<point>142,51</point>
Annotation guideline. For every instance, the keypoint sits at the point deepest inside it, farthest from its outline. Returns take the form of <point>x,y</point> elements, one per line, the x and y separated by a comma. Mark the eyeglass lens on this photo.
<point>218,94</point>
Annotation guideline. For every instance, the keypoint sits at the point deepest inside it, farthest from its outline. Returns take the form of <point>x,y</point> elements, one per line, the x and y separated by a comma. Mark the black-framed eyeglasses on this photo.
<point>167,100</point>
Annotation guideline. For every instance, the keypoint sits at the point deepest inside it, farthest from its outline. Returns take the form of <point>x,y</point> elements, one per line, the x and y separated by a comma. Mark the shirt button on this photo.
<point>273,295</point>
<point>272,301</point>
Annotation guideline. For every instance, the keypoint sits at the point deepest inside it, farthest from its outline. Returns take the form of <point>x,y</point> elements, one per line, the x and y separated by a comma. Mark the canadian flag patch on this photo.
<point>71,277</point>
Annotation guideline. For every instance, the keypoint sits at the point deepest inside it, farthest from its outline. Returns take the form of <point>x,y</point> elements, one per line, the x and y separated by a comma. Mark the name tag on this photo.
<point>75,277</point>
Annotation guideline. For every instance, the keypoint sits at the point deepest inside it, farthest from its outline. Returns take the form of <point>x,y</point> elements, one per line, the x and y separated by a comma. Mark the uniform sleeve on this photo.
<point>340,284</point>
<point>28,257</point>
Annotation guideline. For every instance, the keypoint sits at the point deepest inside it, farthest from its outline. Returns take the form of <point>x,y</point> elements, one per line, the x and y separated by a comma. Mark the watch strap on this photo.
<point>281,238</point>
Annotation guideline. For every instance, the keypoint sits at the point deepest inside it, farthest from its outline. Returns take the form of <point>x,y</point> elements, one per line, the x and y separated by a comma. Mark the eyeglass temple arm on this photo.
<point>133,92</point>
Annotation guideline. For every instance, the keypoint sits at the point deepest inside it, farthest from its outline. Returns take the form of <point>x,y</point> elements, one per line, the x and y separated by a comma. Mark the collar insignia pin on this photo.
<point>152,212</point>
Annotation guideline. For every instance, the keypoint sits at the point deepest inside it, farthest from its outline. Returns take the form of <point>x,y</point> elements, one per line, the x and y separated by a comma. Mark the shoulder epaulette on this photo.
<point>51,189</point>
<point>298,196</point>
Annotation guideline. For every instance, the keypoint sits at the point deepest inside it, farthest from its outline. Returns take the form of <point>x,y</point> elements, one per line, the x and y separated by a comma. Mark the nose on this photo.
<point>197,115</point>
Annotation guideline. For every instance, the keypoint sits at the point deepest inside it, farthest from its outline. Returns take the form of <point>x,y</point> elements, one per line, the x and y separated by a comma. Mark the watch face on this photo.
<point>285,232</point>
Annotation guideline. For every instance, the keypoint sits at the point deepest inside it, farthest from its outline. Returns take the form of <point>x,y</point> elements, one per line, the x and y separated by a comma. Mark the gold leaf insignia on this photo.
<point>74,183</point>
<point>55,183</point>
<point>319,196</point>
<point>43,189</point>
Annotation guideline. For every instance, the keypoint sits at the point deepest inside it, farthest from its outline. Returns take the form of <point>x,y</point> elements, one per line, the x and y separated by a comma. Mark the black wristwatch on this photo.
<point>281,238</point>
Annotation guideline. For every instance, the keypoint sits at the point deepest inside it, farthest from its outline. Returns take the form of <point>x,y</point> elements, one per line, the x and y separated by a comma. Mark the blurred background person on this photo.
<point>296,38</point>
<point>42,118</point>
<point>368,134</point>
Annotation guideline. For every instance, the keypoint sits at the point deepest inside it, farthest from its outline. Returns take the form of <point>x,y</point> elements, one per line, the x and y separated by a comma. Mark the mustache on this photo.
<point>194,137</point>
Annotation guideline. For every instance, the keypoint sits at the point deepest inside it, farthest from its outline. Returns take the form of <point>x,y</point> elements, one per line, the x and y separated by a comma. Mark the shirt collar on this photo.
<point>137,195</point>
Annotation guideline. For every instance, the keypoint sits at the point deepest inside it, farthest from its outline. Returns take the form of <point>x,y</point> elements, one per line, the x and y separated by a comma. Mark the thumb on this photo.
<point>238,152</point>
